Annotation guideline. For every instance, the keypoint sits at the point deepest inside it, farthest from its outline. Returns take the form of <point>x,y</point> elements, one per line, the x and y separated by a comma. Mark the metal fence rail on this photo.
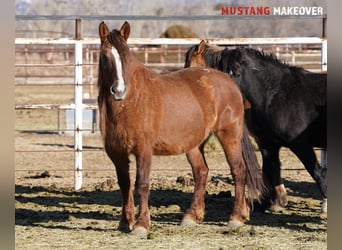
<point>136,43</point>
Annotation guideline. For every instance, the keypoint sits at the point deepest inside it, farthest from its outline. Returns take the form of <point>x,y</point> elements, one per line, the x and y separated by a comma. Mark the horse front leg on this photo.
<point>195,213</point>
<point>142,186</point>
<point>121,162</point>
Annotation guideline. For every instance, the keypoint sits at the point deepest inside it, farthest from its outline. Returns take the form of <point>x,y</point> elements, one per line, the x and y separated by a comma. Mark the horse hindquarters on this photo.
<point>195,213</point>
<point>229,131</point>
<point>230,139</point>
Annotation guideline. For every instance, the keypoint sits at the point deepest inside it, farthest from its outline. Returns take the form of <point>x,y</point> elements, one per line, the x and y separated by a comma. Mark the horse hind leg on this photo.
<point>307,156</point>
<point>195,214</point>
<point>231,144</point>
<point>275,197</point>
<point>271,172</point>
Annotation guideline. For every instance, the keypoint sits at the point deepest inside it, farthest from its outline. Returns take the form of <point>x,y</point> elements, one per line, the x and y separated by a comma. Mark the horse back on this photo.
<point>297,109</point>
<point>210,83</point>
<point>193,102</point>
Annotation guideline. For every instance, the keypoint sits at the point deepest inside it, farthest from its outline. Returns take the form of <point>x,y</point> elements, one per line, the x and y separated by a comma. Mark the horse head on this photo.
<point>194,57</point>
<point>113,53</point>
<point>203,55</point>
<point>232,62</point>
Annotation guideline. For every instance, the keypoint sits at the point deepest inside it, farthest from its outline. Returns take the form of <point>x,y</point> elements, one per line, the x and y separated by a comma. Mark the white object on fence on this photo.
<point>78,116</point>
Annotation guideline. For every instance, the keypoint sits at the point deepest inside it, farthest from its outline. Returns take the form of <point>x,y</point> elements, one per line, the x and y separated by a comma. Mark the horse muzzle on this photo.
<point>118,94</point>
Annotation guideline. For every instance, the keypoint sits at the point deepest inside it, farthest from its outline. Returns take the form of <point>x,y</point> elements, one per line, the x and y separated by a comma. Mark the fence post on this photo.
<point>324,55</point>
<point>324,67</point>
<point>78,108</point>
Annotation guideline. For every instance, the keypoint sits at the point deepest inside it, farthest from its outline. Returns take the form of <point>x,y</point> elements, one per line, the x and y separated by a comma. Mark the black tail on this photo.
<point>254,179</point>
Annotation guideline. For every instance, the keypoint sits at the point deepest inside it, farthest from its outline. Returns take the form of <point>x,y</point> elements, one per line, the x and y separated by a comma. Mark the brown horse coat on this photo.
<point>165,106</point>
<point>144,114</point>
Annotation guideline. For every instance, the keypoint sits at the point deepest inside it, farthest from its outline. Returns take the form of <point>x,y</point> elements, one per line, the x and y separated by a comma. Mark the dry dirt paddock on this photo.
<point>51,215</point>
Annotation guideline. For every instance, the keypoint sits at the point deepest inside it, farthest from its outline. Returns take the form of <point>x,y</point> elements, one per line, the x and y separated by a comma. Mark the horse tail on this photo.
<point>254,179</point>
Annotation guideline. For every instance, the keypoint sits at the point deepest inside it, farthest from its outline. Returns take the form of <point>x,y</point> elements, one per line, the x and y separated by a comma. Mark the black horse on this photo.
<point>288,107</point>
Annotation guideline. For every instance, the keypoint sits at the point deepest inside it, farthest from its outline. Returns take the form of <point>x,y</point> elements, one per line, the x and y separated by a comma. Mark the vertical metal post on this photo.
<point>324,27</point>
<point>324,58</point>
<point>277,52</point>
<point>146,55</point>
<point>78,107</point>
<point>324,67</point>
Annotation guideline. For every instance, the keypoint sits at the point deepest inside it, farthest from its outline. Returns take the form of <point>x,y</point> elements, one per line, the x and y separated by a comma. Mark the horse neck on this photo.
<point>213,57</point>
<point>132,68</point>
<point>259,83</point>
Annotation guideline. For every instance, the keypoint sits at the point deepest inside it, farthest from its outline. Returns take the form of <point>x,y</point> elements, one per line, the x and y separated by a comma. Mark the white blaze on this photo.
<point>121,82</point>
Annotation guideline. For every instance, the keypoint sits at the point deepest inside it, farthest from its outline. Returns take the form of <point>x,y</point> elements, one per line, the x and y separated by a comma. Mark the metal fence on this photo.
<point>159,53</point>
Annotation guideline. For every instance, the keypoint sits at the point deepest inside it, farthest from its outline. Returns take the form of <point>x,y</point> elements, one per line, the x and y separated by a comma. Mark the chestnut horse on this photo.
<point>287,109</point>
<point>144,113</point>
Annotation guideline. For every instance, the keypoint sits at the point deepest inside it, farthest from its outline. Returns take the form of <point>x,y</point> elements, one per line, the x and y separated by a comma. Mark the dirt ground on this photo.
<point>50,214</point>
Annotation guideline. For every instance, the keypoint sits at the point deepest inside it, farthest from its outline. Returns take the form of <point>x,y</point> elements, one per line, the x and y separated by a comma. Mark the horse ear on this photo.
<point>201,47</point>
<point>125,30</point>
<point>103,31</point>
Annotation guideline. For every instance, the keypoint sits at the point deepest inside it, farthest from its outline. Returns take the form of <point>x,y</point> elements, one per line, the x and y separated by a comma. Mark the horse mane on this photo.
<point>211,55</point>
<point>113,39</point>
<point>275,75</point>
<point>234,58</point>
<point>271,58</point>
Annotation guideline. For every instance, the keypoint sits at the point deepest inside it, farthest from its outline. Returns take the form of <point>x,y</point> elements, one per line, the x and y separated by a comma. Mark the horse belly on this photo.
<point>317,133</point>
<point>182,128</point>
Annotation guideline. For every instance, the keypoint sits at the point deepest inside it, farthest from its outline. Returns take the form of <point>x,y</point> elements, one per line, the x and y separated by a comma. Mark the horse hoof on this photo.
<point>125,228</point>
<point>276,208</point>
<point>324,208</point>
<point>235,224</point>
<point>187,222</point>
<point>140,232</point>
